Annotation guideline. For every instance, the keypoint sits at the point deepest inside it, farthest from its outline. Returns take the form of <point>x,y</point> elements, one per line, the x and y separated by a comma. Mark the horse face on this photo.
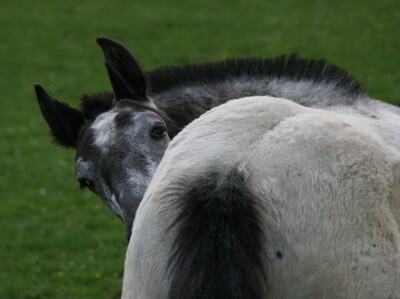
<point>118,154</point>
<point>119,141</point>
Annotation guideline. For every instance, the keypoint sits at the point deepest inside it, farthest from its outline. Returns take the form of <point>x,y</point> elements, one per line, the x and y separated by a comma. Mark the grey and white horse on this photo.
<point>120,139</point>
<point>264,198</point>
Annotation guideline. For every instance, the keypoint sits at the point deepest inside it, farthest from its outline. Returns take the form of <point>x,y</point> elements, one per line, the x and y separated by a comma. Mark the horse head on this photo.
<point>119,140</point>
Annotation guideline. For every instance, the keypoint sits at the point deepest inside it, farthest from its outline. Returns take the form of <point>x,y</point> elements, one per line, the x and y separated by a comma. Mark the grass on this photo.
<point>57,242</point>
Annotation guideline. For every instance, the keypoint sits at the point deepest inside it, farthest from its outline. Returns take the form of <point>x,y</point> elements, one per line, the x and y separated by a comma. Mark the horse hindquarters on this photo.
<point>328,183</point>
<point>309,206</point>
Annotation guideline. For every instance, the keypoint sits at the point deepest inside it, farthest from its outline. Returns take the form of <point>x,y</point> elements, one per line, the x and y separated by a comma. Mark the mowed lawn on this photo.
<point>59,242</point>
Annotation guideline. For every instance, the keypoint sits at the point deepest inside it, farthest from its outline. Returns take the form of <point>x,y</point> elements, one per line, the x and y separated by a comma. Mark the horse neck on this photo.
<point>181,105</point>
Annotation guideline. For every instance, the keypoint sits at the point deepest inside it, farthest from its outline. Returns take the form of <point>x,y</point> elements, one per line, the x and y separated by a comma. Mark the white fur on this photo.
<point>104,128</point>
<point>329,182</point>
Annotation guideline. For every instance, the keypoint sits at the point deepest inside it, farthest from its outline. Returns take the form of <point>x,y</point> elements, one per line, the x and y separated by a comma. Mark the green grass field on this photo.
<point>59,242</point>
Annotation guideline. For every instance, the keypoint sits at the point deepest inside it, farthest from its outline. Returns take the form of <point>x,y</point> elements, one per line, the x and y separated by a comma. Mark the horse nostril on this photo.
<point>85,183</point>
<point>84,173</point>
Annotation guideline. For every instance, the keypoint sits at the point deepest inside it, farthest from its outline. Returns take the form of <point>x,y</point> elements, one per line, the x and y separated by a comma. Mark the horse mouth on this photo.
<point>128,213</point>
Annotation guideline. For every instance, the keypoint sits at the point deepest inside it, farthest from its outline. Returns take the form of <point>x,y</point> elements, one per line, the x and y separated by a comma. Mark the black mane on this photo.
<point>287,67</point>
<point>290,67</point>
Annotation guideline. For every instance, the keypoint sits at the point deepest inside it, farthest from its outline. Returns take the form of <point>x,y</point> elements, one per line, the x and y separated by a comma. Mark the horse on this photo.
<point>120,137</point>
<point>262,197</point>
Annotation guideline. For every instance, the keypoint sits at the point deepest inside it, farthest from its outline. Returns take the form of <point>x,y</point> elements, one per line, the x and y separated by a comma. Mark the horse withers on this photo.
<point>264,198</point>
<point>120,137</point>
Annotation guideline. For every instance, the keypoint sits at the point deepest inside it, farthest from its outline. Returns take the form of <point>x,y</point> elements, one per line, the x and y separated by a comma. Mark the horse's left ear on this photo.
<point>64,122</point>
<point>126,76</point>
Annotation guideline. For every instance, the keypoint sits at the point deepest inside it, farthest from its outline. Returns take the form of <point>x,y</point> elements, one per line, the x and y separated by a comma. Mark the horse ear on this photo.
<point>64,122</point>
<point>126,76</point>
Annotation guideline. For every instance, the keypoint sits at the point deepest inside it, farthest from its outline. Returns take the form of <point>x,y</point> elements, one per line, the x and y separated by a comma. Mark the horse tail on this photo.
<point>218,249</point>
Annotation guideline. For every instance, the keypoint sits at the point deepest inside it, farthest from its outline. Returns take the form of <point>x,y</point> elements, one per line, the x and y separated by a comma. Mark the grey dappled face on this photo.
<point>117,155</point>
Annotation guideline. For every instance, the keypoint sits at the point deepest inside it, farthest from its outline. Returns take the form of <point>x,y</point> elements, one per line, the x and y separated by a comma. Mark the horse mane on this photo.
<point>286,67</point>
<point>289,67</point>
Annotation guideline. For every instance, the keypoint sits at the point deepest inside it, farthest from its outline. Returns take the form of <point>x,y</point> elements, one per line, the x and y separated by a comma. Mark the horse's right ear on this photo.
<point>126,76</point>
<point>64,122</point>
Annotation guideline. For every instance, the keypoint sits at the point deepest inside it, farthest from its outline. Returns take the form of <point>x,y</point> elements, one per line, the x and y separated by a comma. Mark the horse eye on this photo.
<point>85,183</point>
<point>158,132</point>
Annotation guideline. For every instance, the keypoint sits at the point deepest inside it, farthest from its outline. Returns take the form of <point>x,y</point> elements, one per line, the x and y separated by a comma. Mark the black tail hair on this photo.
<point>218,250</point>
